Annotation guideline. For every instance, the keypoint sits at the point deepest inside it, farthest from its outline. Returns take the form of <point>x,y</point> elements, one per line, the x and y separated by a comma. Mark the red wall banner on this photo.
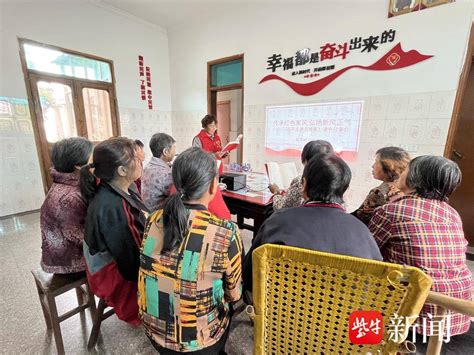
<point>396,58</point>
<point>145,82</point>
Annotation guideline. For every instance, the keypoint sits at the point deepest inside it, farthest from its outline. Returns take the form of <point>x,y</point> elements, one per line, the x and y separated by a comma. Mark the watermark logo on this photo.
<point>365,327</point>
<point>400,325</point>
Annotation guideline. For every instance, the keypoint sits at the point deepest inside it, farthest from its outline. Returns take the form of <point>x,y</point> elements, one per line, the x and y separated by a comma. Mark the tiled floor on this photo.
<point>22,327</point>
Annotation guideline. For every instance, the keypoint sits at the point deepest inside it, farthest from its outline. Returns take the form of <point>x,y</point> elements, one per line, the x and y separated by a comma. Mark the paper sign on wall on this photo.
<point>289,128</point>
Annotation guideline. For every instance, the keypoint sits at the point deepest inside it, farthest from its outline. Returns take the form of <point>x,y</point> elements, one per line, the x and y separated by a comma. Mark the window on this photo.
<point>98,117</point>
<point>73,94</point>
<point>227,73</point>
<point>47,60</point>
<point>58,113</point>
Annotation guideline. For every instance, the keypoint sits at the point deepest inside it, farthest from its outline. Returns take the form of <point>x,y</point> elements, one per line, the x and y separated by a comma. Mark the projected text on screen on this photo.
<point>289,128</point>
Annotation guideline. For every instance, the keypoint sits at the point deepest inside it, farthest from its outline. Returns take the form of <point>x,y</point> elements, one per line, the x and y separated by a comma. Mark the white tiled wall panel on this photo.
<point>142,124</point>
<point>416,122</point>
<point>21,186</point>
<point>186,125</point>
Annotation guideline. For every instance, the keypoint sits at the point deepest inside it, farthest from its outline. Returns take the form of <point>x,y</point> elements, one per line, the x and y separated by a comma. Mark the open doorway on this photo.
<point>229,117</point>
<point>459,145</point>
<point>225,99</point>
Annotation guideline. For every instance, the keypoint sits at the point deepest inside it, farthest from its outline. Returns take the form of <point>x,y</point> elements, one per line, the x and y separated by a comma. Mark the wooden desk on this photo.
<point>255,204</point>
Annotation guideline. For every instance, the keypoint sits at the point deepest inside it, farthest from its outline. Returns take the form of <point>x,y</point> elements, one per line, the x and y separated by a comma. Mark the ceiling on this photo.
<point>170,14</point>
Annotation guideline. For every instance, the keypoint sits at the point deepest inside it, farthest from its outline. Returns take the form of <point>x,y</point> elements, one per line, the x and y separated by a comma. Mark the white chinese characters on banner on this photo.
<point>289,128</point>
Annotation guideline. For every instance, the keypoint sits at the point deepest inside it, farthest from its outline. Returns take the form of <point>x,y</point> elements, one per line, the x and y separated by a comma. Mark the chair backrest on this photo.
<point>303,299</point>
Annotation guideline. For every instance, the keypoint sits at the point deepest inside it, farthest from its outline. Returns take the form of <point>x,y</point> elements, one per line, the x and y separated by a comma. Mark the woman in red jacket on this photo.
<point>208,139</point>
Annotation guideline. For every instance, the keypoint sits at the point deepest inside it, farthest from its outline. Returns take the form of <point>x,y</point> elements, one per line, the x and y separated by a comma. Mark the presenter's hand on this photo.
<point>274,189</point>
<point>221,155</point>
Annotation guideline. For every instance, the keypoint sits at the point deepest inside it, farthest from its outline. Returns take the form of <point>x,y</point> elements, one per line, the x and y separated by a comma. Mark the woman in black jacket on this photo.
<point>321,223</point>
<point>114,225</point>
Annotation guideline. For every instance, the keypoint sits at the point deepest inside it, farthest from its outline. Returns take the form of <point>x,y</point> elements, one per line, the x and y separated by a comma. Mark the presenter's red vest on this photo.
<point>211,145</point>
<point>208,144</point>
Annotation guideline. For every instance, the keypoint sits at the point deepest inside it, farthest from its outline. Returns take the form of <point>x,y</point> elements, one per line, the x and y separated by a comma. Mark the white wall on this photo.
<point>87,28</point>
<point>409,107</point>
<point>91,29</point>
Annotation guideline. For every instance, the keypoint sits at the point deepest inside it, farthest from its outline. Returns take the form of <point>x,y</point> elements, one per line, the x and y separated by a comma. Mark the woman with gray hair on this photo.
<point>156,177</point>
<point>421,229</point>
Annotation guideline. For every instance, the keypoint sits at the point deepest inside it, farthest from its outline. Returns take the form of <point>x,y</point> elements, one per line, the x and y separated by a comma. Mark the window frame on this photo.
<point>33,76</point>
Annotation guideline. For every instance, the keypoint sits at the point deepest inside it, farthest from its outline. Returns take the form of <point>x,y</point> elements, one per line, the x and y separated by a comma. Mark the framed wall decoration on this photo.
<point>430,3</point>
<point>400,7</point>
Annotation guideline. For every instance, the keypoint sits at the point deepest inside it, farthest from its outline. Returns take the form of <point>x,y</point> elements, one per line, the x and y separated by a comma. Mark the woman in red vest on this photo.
<point>208,139</point>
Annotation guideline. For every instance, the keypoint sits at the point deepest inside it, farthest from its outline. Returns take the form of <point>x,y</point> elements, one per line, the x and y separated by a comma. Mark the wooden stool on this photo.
<point>98,318</point>
<point>51,285</point>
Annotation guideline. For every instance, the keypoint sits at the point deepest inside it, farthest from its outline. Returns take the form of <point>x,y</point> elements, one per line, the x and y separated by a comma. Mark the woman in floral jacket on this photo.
<point>64,210</point>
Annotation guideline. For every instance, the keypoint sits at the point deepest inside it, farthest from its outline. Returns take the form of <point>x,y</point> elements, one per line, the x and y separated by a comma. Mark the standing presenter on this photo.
<point>208,139</point>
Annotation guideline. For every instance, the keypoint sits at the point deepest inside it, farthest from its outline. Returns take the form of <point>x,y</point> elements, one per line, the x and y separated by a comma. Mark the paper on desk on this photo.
<point>252,194</point>
<point>244,192</point>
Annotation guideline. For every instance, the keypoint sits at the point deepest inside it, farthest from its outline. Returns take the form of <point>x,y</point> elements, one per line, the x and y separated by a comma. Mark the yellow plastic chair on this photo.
<point>303,300</point>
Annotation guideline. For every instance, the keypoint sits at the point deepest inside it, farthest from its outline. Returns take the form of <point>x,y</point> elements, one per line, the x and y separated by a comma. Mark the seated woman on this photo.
<point>114,225</point>
<point>190,264</point>
<point>421,229</point>
<point>156,179</point>
<point>293,197</point>
<point>389,163</point>
<point>157,182</point>
<point>321,223</point>
<point>63,212</point>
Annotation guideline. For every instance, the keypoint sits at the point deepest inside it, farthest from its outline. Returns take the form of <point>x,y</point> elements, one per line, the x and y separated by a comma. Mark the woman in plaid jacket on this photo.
<point>421,229</point>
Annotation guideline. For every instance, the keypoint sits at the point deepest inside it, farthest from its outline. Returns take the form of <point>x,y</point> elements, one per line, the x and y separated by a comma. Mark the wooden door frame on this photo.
<point>460,95</point>
<point>212,91</point>
<point>27,75</point>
